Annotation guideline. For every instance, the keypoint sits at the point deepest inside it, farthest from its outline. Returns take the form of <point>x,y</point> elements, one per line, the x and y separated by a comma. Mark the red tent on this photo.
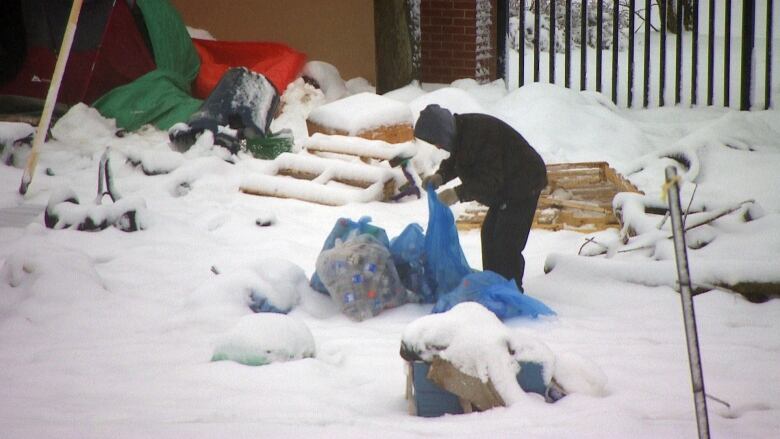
<point>108,49</point>
<point>277,62</point>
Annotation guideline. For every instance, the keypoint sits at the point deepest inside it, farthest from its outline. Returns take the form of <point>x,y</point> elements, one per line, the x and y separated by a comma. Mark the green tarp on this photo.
<point>160,97</point>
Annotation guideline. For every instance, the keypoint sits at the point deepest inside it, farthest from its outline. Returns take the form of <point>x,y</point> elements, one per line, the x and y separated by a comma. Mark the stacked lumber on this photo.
<point>578,197</point>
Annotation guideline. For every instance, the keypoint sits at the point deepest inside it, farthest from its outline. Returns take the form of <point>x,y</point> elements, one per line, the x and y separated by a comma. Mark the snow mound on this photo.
<point>570,126</point>
<point>454,99</point>
<point>45,277</point>
<point>83,125</point>
<point>265,338</point>
<point>328,78</point>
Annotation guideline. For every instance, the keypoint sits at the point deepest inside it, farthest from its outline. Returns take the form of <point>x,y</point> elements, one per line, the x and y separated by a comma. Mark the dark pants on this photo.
<point>504,235</point>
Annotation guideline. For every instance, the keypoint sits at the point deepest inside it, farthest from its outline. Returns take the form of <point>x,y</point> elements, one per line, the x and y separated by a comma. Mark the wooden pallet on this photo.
<point>578,197</point>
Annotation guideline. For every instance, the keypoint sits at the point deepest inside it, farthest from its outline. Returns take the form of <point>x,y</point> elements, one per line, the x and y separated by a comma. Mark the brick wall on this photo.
<point>448,41</point>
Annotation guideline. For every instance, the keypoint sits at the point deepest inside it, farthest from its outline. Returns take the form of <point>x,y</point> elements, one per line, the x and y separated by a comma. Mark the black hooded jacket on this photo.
<point>494,162</point>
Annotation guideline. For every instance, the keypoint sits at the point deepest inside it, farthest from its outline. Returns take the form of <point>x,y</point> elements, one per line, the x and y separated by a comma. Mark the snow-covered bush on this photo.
<point>560,16</point>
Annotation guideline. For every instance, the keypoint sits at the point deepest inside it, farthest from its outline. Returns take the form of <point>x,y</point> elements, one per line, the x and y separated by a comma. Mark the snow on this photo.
<point>111,334</point>
<point>328,78</point>
<point>359,112</point>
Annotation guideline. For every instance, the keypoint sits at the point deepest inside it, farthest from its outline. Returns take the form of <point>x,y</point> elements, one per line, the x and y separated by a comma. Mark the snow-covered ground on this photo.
<point>111,334</point>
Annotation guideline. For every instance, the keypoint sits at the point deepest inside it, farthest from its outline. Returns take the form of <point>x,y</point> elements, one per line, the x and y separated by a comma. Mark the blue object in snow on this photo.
<point>445,264</point>
<point>408,250</point>
<point>495,293</point>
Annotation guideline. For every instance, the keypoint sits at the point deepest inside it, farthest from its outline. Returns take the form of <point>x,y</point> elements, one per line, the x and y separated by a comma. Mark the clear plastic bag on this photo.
<point>360,276</point>
<point>342,230</point>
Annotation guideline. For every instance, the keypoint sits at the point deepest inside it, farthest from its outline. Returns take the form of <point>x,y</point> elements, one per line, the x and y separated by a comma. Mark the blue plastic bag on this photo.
<point>495,293</point>
<point>445,264</point>
<point>342,230</point>
<point>408,250</point>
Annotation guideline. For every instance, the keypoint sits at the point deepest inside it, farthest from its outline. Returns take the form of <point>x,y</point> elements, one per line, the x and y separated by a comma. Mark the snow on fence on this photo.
<point>722,56</point>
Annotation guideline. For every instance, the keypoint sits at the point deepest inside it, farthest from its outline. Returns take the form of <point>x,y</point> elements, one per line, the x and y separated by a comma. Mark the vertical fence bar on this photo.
<point>551,59</point>
<point>567,56</point>
<point>536,40</point>
<point>502,28</point>
<point>748,43</point>
<point>695,54</point>
<point>599,35</point>
<point>646,86</point>
<point>583,45</point>
<point>678,54</point>
<point>768,73</point>
<point>521,44</point>
<point>711,54</point>
<point>727,55</point>
<point>662,61</point>
<point>615,42</point>
<point>630,73</point>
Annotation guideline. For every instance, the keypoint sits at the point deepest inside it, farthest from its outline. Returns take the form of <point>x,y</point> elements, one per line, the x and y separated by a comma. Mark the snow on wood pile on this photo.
<point>322,180</point>
<point>358,146</point>
<point>578,197</point>
<point>366,115</point>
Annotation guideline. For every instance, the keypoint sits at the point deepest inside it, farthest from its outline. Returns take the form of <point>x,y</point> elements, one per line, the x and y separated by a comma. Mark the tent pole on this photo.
<point>51,96</point>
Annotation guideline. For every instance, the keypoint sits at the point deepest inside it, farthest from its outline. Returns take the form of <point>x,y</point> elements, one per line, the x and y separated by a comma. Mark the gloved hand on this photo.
<point>448,197</point>
<point>435,180</point>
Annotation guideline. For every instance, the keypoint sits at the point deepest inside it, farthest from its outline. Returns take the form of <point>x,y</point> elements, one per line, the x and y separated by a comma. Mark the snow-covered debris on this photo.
<point>475,341</point>
<point>265,338</point>
<point>328,79</point>
<point>297,101</point>
<point>361,182</point>
<point>11,132</point>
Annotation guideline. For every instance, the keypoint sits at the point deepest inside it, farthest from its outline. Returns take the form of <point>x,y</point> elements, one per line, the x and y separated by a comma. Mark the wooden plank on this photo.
<point>584,205</point>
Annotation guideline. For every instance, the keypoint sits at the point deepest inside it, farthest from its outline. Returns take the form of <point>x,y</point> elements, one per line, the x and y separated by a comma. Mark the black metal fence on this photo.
<point>665,78</point>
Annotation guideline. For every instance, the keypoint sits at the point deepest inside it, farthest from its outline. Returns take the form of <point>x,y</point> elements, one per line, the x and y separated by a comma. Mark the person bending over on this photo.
<point>498,168</point>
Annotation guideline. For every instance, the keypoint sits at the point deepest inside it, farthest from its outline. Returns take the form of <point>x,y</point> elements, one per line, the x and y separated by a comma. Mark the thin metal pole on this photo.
<point>537,29</point>
<point>711,54</point>
<point>567,56</point>
<point>583,45</point>
<point>615,42</point>
<point>551,59</point>
<point>646,86</point>
<point>521,48</point>
<point>727,56</point>
<point>662,62</point>
<point>631,24</point>
<point>768,74</point>
<point>689,316</point>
